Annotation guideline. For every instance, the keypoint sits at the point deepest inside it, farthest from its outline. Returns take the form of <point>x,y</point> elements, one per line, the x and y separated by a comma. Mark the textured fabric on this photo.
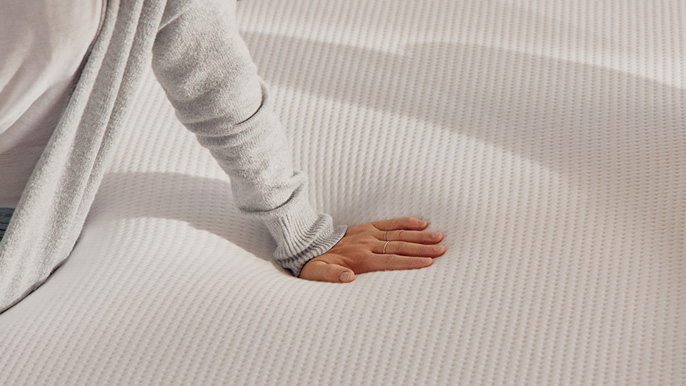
<point>42,46</point>
<point>205,68</point>
<point>544,138</point>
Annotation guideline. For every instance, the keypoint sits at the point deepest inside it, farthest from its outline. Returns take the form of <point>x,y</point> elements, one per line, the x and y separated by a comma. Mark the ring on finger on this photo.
<point>385,236</point>
<point>384,247</point>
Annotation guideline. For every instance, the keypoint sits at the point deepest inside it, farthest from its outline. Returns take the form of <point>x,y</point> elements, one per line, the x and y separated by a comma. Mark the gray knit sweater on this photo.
<point>208,75</point>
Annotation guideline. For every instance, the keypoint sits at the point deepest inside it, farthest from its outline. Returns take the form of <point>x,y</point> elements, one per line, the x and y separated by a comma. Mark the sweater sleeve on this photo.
<point>209,77</point>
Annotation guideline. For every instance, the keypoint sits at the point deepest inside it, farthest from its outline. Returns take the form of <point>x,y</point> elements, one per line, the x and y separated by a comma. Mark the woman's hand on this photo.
<point>362,250</point>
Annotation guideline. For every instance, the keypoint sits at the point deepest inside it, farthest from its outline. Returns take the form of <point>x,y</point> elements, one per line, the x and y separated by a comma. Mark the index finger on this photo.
<point>400,223</point>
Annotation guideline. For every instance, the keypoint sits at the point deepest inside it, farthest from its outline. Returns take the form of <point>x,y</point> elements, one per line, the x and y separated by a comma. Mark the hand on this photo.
<point>361,250</point>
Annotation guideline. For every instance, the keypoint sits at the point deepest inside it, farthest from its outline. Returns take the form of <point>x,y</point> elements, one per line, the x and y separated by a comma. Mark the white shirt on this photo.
<point>42,46</point>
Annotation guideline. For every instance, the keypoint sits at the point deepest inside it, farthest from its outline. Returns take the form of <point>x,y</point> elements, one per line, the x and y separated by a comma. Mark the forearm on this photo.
<point>206,70</point>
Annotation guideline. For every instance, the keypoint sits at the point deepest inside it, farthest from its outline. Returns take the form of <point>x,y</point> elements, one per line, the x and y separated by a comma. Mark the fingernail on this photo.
<point>434,235</point>
<point>346,276</point>
<point>424,223</point>
<point>437,248</point>
<point>426,260</point>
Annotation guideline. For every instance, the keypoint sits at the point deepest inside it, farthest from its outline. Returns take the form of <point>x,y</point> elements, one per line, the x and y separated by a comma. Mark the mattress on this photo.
<point>545,139</point>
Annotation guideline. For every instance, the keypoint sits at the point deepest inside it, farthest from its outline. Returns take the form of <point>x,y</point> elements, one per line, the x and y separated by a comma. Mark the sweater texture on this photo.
<point>207,73</point>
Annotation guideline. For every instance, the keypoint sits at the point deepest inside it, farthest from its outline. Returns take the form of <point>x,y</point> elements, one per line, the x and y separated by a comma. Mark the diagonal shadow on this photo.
<point>183,197</point>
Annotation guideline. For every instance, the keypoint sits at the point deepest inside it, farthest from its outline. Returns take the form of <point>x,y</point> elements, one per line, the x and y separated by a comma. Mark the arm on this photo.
<point>208,75</point>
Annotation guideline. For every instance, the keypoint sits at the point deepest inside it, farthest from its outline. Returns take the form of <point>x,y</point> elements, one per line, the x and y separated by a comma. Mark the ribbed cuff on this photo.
<point>302,235</point>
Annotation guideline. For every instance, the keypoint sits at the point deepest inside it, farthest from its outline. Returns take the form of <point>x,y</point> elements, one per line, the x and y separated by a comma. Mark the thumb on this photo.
<point>323,271</point>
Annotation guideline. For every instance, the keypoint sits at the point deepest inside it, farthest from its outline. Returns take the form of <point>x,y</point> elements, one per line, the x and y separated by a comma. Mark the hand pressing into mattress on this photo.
<point>362,250</point>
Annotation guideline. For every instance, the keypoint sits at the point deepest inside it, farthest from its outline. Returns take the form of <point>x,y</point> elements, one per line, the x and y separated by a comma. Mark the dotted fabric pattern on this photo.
<point>546,139</point>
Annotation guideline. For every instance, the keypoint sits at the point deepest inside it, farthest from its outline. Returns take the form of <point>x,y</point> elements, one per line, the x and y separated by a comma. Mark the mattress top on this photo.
<point>544,139</point>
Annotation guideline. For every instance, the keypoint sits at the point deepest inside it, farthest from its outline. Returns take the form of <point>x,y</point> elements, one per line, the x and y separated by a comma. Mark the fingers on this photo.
<point>410,236</point>
<point>400,223</point>
<point>323,271</point>
<point>408,249</point>
<point>390,262</point>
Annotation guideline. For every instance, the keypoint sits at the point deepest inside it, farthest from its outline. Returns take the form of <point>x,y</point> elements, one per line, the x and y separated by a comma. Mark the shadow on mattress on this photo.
<point>618,136</point>
<point>204,203</point>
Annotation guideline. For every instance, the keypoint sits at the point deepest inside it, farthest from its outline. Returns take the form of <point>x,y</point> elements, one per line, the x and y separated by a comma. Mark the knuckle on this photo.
<point>357,229</point>
<point>366,239</point>
<point>393,260</point>
<point>363,255</point>
<point>356,237</point>
<point>397,247</point>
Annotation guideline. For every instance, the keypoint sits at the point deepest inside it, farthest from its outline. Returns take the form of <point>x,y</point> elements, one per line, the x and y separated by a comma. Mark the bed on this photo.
<point>545,139</point>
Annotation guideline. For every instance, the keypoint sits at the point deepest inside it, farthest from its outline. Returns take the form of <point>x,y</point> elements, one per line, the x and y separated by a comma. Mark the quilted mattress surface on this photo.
<point>545,139</point>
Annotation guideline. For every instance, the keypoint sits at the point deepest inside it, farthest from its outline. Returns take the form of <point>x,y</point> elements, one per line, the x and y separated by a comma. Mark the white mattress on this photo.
<point>546,139</point>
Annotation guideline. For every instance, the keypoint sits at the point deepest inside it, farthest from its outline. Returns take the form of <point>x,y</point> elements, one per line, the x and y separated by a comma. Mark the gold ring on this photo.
<point>384,247</point>
<point>385,236</point>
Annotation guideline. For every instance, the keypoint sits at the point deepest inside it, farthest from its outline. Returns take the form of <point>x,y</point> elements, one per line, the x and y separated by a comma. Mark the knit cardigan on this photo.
<point>207,73</point>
